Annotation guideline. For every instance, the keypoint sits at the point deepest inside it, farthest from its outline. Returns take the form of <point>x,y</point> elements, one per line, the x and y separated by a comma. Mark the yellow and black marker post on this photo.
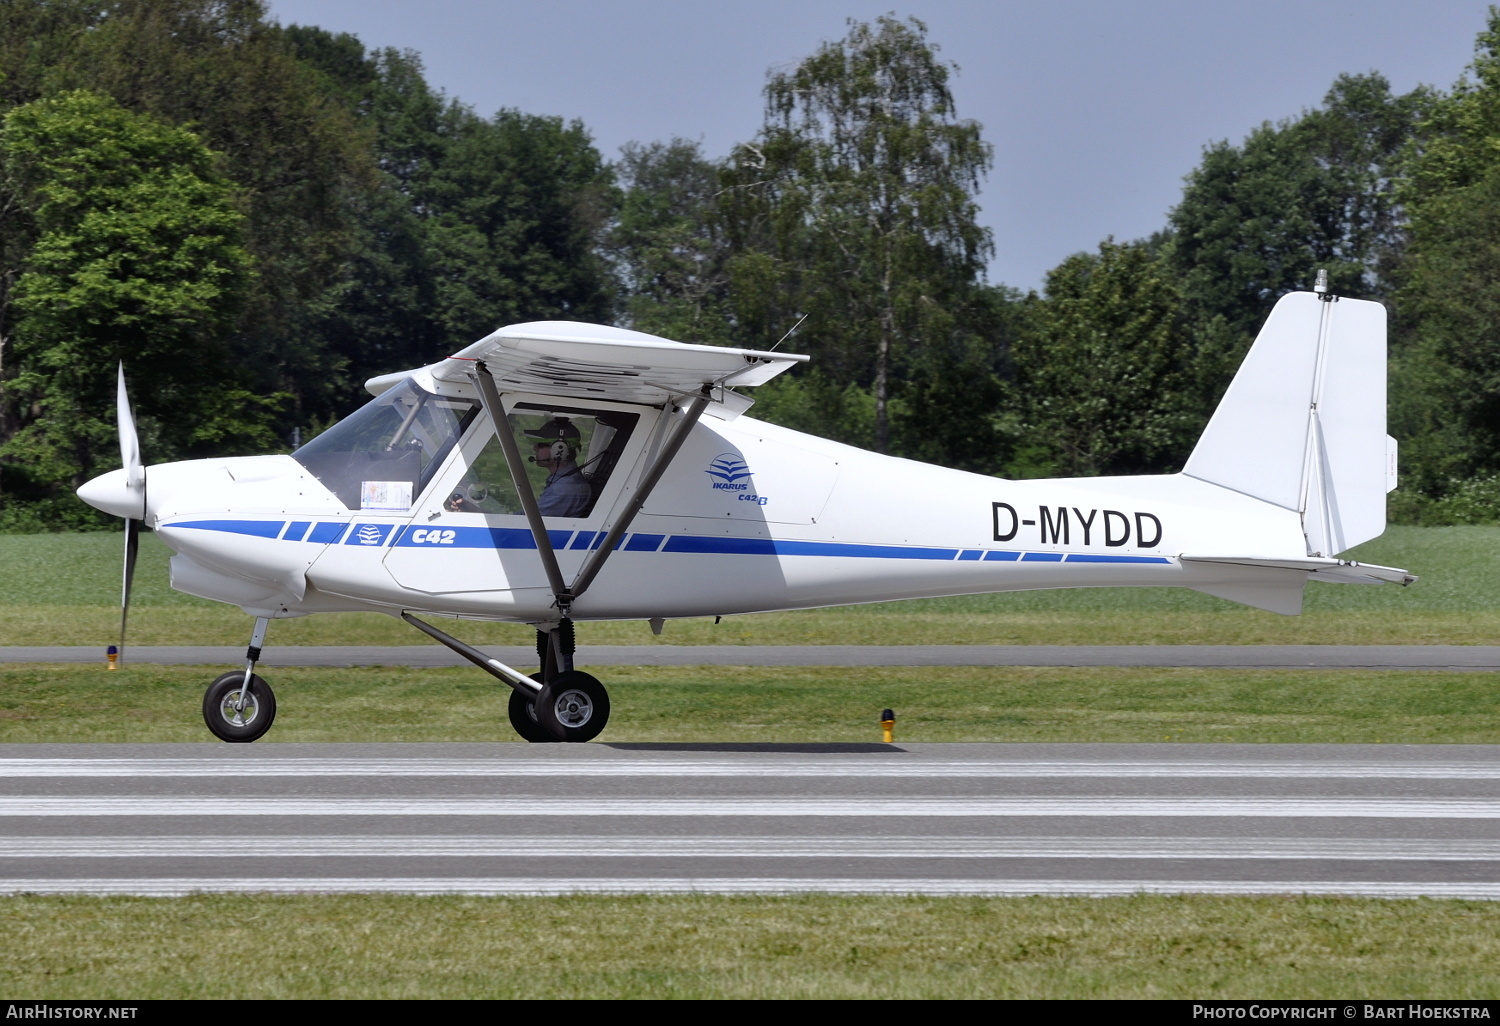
<point>888,726</point>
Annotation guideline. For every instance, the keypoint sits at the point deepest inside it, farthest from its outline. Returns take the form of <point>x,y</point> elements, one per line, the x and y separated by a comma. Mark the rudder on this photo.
<point>1303,422</point>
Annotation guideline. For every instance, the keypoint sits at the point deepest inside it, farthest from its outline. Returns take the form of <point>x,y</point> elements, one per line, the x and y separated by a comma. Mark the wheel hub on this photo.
<point>574,708</point>
<point>239,717</point>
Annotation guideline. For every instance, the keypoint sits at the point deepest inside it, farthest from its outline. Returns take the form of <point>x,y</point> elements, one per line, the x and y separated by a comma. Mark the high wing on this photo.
<point>591,361</point>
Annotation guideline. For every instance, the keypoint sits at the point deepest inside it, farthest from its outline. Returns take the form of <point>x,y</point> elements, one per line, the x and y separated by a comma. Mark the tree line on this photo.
<point>256,218</point>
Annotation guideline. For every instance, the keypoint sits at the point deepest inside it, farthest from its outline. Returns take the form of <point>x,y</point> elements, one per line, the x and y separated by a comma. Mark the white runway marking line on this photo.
<point>242,885</point>
<point>366,846</point>
<point>1124,805</point>
<point>835,766</point>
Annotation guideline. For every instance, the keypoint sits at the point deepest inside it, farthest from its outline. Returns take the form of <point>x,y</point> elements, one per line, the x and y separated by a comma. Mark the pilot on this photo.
<point>566,493</point>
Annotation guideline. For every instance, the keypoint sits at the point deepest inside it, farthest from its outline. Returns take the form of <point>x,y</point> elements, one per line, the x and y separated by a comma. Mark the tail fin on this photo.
<point>1303,422</point>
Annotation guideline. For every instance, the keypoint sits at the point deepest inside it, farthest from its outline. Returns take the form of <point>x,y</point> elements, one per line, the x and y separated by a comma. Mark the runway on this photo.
<point>977,819</point>
<point>1377,657</point>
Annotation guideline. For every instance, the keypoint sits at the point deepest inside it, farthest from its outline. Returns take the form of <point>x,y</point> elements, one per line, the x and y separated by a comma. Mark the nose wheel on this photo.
<point>239,706</point>
<point>234,717</point>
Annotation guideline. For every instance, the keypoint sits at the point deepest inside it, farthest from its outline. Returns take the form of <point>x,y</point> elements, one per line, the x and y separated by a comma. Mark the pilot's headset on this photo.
<point>563,437</point>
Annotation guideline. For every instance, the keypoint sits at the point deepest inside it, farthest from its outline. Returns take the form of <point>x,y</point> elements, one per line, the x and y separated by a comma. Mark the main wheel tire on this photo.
<point>244,725</point>
<point>573,706</point>
<point>523,719</point>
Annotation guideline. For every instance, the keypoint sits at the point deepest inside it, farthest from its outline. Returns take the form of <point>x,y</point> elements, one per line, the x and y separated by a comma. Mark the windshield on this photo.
<point>381,456</point>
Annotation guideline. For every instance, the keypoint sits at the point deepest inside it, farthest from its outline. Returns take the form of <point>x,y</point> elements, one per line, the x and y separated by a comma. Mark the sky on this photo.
<point>1096,109</point>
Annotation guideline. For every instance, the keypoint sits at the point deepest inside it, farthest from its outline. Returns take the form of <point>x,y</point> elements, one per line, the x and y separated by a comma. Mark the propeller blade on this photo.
<point>132,545</point>
<point>130,444</point>
<point>135,483</point>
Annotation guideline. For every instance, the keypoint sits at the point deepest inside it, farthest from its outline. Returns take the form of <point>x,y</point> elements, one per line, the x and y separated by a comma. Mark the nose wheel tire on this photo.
<point>244,724</point>
<point>523,719</point>
<point>573,706</point>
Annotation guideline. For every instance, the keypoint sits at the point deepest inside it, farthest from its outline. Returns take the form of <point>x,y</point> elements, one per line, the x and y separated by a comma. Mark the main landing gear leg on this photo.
<point>239,706</point>
<point>572,705</point>
<point>578,702</point>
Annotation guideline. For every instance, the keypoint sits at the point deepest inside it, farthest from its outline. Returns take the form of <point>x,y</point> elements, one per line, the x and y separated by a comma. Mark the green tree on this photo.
<point>1099,368</point>
<point>519,207</point>
<point>474,222</point>
<point>952,407</point>
<point>1258,220</point>
<point>292,146</point>
<point>1446,407</point>
<point>856,207</point>
<point>669,243</point>
<point>136,256</point>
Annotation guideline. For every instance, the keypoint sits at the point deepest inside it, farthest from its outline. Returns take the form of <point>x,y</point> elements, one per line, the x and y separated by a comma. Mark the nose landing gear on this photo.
<point>234,713</point>
<point>239,706</point>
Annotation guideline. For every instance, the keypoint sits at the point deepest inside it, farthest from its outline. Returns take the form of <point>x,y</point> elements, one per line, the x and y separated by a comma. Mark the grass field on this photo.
<point>815,946</point>
<point>63,589</point>
<point>685,703</point>
<point>60,589</point>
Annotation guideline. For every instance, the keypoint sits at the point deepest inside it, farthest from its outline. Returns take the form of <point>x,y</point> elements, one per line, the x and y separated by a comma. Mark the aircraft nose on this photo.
<point>112,493</point>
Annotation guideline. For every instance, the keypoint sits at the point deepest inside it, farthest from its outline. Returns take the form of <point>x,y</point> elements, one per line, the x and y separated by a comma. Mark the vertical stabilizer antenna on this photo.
<point>1320,284</point>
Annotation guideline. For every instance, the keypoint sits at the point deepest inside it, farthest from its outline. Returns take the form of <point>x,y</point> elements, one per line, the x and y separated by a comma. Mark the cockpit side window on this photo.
<point>570,456</point>
<point>381,456</point>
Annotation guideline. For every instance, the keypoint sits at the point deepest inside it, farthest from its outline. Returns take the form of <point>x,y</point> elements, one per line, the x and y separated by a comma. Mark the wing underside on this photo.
<point>589,361</point>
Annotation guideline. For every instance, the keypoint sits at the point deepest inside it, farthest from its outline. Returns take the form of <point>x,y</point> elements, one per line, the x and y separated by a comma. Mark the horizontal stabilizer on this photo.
<point>1342,571</point>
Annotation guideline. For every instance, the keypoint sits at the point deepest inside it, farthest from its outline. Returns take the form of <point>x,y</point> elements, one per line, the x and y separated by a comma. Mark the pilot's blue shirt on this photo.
<point>566,493</point>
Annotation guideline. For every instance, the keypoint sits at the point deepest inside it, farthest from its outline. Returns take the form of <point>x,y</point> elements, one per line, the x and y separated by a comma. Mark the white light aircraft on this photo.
<point>555,471</point>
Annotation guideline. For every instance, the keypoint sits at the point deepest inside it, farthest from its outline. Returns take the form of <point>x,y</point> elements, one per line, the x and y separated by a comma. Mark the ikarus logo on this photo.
<point>730,470</point>
<point>368,534</point>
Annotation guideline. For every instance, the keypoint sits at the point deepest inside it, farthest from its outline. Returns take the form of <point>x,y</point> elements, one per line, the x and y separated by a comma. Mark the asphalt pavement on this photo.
<point>1001,819</point>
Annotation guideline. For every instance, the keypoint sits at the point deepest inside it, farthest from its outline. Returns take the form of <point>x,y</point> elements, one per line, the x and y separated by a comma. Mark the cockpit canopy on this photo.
<point>381,456</point>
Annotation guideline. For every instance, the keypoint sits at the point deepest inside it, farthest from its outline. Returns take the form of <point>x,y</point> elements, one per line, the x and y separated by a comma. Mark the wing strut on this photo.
<point>642,493</point>
<point>517,466</point>
<point>564,594</point>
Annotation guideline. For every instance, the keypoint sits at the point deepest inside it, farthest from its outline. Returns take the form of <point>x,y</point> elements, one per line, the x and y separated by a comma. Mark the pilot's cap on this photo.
<point>557,428</point>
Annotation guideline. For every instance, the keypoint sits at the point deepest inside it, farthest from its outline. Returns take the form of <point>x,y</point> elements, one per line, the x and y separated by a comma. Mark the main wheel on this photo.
<point>231,724</point>
<point>523,719</point>
<point>573,707</point>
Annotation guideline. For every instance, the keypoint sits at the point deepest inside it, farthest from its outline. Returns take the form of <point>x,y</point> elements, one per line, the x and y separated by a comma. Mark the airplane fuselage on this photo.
<point>752,517</point>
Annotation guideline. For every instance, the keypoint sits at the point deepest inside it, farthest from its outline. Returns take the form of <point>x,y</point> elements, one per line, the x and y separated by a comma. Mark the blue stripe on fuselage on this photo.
<point>413,536</point>
<point>475,538</point>
<point>253,528</point>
